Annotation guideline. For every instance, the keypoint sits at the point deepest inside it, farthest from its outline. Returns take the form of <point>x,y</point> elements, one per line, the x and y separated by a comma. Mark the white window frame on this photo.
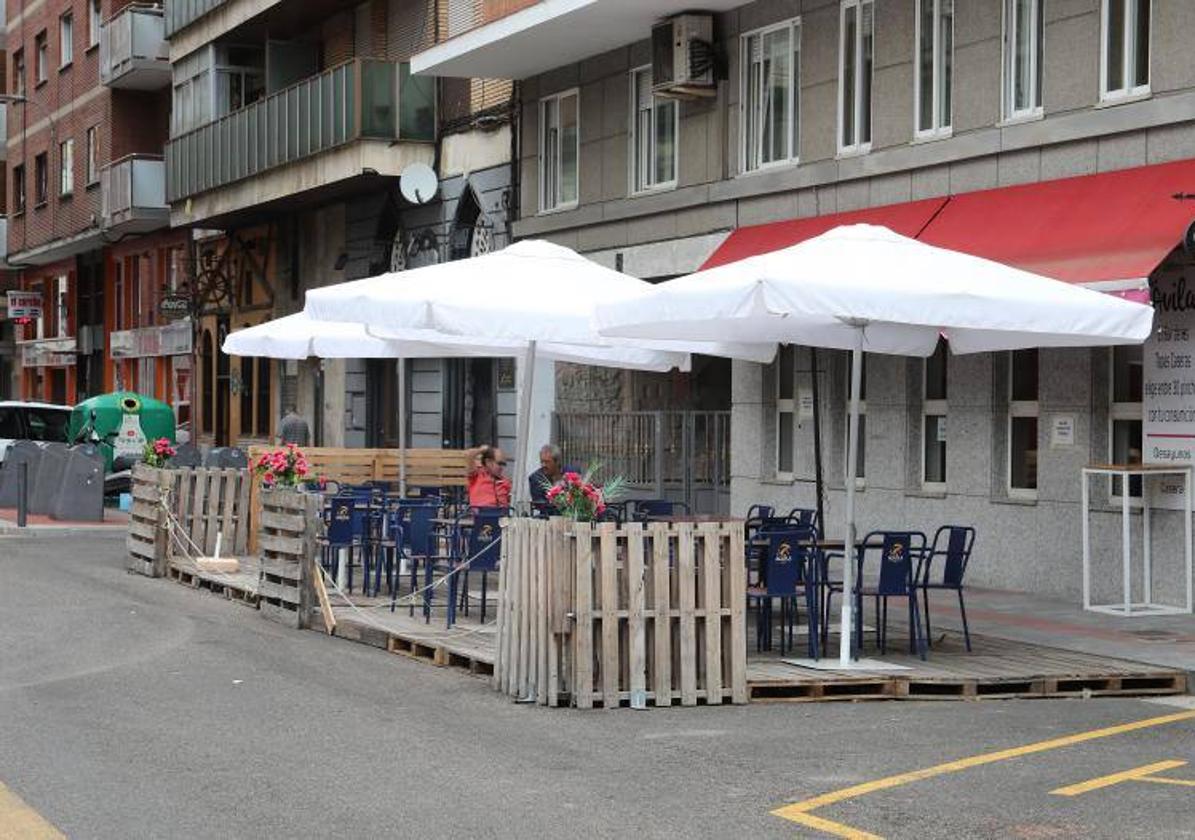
<point>41,57</point>
<point>93,155</point>
<point>788,406</point>
<point>939,127</point>
<point>66,167</point>
<point>793,25</point>
<point>62,306</point>
<point>66,40</point>
<point>1130,411</point>
<point>1008,63</point>
<point>1128,52</point>
<point>1020,409</point>
<point>637,144</point>
<point>856,148</point>
<point>94,23</point>
<point>934,408</point>
<point>556,205</point>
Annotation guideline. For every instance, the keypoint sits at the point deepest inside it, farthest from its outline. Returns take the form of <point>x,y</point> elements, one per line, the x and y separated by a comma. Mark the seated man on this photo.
<point>550,472</point>
<point>487,486</point>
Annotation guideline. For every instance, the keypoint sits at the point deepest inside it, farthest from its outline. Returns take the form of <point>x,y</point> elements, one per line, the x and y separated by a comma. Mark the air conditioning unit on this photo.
<point>682,57</point>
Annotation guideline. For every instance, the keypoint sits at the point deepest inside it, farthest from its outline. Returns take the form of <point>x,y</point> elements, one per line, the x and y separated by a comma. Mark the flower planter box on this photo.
<point>636,615</point>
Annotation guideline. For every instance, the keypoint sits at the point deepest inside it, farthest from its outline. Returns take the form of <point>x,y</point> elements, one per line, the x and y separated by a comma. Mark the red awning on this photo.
<point>906,219</point>
<point>1114,226</point>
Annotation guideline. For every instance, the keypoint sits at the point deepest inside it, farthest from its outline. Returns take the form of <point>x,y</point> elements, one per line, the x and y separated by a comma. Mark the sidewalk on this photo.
<point>115,523</point>
<point>1019,616</point>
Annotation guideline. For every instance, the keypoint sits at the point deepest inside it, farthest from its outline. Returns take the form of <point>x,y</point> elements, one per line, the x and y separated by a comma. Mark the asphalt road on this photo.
<point>135,708</point>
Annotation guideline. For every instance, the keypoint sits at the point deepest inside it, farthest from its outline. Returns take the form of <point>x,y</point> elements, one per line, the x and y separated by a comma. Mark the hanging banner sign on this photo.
<point>24,304</point>
<point>1168,386</point>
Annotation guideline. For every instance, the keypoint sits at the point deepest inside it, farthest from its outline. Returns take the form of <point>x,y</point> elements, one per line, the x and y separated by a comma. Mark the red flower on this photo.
<point>268,477</point>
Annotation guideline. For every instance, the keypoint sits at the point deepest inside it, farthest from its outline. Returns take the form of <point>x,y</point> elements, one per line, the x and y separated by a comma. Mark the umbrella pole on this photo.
<point>527,383</point>
<point>402,428</point>
<point>846,644</point>
<point>818,480</point>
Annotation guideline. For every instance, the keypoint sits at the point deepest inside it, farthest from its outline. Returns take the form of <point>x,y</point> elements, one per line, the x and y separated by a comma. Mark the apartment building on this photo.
<point>88,105</point>
<point>291,128</point>
<point>1056,135</point>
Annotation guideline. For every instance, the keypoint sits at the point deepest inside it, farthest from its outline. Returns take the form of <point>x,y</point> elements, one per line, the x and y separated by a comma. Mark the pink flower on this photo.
<point>554,492</point>
<point>268,477</point>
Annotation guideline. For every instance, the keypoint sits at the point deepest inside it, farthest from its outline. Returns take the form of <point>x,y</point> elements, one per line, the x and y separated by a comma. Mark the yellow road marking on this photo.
<point>1163,780</point>
<point>1135,774</point>
<point>20,822</point>
<point>799,812</point>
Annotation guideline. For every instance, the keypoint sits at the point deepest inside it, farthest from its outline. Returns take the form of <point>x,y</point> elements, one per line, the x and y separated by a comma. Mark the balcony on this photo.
<point>360,108</point>
<point>133,195</point>
<point>134,53</point>
<point>509,39</point>
<point>182,13</point>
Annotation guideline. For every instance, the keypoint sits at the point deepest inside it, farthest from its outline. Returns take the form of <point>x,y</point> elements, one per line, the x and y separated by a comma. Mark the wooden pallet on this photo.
<point>241,587</point>
<point>409,636</point>
<point>287,541</point>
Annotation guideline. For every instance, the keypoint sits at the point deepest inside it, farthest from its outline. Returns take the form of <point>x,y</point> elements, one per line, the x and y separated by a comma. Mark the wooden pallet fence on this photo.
<point>204,502</point>
<point>633,615</point>
<point>425,468</point>
<point>288,530</point>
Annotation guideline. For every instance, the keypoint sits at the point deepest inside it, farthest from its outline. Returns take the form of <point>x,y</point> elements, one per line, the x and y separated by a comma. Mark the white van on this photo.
<point>32,421</point>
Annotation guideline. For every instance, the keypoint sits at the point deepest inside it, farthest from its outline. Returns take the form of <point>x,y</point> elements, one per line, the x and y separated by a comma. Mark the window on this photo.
<point>933,416</point>
<point>42,50</point>
<point>41,180</point>
<point>66,167</point>
<point>1022,423</point>
<point>771,95</point>
<point>1124,50</point>
<point>18,188</point>
<point>1023,36</point>
<point>18,72</point>
<point>857,34</point>
<point>785,409</point>
<point>66,39</point>
<point>932,68</point>
<point>1127,377</point>
<point>94,21</point>
<point>654,128</point>
<point>559,147</point>
<point>93,155</point>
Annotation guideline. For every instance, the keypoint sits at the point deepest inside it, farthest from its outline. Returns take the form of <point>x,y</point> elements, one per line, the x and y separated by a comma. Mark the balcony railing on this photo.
<point>182,13</point>
<point>133,49</point>
<point>360,100</point>
<point>133,195</point>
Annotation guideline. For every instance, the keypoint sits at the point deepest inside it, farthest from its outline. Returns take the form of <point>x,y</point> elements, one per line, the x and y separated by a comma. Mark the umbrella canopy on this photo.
<point>865,288</point>
<point>299,336</point>
<point>899,293</point>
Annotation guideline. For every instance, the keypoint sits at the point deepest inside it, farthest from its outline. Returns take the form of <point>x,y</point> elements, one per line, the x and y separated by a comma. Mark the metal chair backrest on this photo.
<point>485,537</point>
<point>805,518</point>
<point>340,519</point>
<point>416,517</point>
<point>788,564</point>
<point>760,512</point>
<point>898,551</point>
<point>653,508</point>
<point>953,543</point>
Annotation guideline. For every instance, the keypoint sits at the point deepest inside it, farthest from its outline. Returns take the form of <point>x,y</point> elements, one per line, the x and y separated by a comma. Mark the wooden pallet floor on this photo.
<point>235,586</point>
<point>995,669</point>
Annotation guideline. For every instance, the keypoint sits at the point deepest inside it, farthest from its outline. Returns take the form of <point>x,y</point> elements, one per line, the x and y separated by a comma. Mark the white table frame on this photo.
<point>1147,607</point>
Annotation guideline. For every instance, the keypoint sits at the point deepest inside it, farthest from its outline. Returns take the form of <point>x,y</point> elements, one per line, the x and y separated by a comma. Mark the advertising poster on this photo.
<point>1168,386</point>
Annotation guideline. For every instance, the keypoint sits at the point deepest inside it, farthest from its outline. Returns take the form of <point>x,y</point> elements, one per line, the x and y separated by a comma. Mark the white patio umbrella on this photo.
<point>866,289</point>
<point>535,295</point>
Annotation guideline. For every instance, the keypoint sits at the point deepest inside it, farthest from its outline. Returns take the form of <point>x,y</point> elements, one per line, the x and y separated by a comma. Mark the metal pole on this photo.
<point>527,383</point>
<point>818,479</point>
<point>846,644</point>
<point>22,493</point>
<point>402,428</point>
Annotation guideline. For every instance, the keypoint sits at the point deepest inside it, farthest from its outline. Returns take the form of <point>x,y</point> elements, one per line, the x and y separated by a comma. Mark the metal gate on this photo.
<point>679,455</point>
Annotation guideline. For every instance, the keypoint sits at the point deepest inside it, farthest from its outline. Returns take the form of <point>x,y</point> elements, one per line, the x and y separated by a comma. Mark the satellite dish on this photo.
<point>418,183</point>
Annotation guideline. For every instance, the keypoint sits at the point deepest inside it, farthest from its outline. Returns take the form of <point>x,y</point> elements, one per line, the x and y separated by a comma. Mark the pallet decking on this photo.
<point>240,586</point>
<point>997,669</point>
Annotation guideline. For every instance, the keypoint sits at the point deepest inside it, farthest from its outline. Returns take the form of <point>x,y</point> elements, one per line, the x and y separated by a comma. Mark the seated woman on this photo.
<point>487,485</point>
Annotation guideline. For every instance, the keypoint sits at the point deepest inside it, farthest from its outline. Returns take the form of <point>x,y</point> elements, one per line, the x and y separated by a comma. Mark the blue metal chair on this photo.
<point>652,509</point>
<point>805,518</point>
<point>789,570</point>
<point>421,540</point>
<point>952,543</point>
<point>897,552</point>
<point>480,544</point>
<point>346,521</point>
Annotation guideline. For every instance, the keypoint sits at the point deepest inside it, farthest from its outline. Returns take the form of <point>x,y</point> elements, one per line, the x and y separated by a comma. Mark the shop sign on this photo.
<point>1168,385</point>
<point>24,304</point>
<point>169,340</point>
<point>174,306</point>
<point>50,352</point>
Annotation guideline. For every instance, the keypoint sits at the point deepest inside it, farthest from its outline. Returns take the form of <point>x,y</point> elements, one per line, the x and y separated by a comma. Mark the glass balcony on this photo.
<point>133,195</point>
<point>134,53</point>
<point>359,100</point>
<point>182,13</point>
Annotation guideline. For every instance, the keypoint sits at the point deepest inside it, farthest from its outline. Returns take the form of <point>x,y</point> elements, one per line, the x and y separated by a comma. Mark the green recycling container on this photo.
<point>121,423</point>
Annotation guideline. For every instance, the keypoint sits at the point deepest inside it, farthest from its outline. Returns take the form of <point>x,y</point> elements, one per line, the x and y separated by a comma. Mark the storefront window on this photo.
<point>933,407</point>
<point>1127,374</point>
<point>1022,423</point>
